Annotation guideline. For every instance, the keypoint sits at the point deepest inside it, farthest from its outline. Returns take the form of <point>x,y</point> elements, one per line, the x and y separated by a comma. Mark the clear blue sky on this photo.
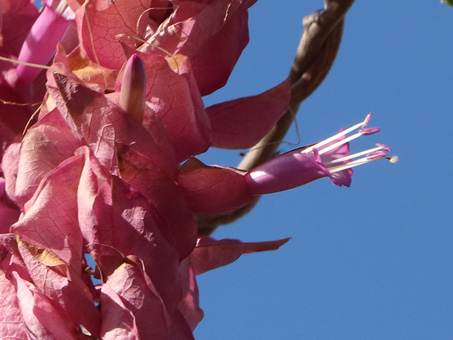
<point>373,261</point>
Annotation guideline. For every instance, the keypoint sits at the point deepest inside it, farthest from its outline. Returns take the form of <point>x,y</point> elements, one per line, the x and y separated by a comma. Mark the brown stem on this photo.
<point>315,55</point>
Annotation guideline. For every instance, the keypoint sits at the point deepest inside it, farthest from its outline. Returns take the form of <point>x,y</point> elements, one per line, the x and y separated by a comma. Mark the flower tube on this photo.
<point>133,86</point>
<point>39,46</point>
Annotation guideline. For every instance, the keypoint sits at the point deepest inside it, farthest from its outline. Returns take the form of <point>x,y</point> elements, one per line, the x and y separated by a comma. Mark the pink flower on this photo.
<point>328,158</point>
<point>213,190</point>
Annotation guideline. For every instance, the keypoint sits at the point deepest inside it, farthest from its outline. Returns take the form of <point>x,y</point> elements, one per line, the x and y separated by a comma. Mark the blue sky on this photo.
<point>373,261</point>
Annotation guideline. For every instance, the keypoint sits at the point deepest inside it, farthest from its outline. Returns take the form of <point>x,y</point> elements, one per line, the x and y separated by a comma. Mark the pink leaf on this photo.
<point>117,220</point>
<point>118,321</point>
<point>10,168</point>
<point>241,123</point>
<point>13,118</point>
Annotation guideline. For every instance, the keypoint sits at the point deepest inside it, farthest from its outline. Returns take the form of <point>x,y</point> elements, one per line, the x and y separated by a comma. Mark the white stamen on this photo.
<point>339,143</point>
<point>360,161</point>
<point>353,164</point>
<point>355,155</point>
<point>371,155</point>
<point>334,137</point>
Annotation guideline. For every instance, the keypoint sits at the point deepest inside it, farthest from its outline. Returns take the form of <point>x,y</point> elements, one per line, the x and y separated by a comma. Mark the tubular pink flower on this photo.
<point>328,158</point>
<point>133,86</point>
<point>40,44</point>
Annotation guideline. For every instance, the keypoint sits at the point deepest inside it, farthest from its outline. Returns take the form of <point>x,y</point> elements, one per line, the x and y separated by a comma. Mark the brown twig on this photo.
<point>314,57</point>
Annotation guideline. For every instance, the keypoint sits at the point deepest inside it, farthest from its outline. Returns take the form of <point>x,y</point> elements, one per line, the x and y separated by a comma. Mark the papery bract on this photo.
<point>212,34</point>
<point>11,319</point>
<point>241,123</point>
<point>43,148</point>
<point>160,189</point>
<point>136,294</point>
<point>210,253</point>
<point>173,94</point>
<point>212,190</point>
<point>101,27</point>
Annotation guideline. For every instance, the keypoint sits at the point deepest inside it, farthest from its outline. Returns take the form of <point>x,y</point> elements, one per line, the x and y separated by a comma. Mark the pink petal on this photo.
<point>287,171</point>
<point>211,190</point>
<point>210,253</point>
<point>241,123</point>
<point>133,85</point>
